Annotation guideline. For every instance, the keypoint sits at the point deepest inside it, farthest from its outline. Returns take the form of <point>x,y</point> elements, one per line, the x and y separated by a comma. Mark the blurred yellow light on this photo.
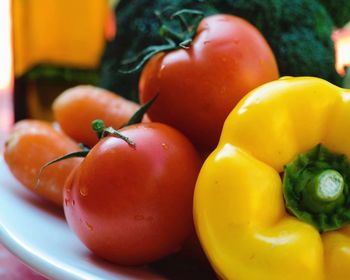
<point>342,47</point>
<point>5,46</point>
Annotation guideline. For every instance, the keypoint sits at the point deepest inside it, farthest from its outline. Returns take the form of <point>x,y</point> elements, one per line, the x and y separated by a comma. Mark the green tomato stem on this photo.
<point>166,31</point>
<point>174,38</point>
<point>101,131</point>
<point>98,127</point>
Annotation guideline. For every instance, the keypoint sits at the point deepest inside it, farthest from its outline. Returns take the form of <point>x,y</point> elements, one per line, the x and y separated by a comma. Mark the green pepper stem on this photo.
<point>316,188</point>
<point>323,192</point>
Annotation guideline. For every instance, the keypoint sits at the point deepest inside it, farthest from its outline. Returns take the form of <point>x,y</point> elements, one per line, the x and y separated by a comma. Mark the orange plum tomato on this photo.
<point>133,204</point>
<point>30,145</point>
<point>77,107</point>
<point>198,86</point>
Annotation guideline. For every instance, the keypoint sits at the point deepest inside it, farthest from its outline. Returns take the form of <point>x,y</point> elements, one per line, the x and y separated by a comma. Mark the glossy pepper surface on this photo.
<point>272,200</point>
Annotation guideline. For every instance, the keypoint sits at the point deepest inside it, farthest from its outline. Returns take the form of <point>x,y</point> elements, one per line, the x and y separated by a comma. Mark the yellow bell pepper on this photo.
<point>272,200</point>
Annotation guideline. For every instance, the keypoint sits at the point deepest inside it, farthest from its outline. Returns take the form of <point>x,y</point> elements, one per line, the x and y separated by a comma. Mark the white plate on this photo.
<point>37,233</point>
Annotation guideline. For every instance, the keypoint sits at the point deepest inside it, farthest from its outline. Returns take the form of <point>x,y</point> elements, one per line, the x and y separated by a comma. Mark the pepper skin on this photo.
<point>239,208</point>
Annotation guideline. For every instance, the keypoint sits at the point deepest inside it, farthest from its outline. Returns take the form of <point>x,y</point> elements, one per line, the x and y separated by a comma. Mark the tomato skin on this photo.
<point>199,86</point>
<point>134,205</point>
<point>30,145</point>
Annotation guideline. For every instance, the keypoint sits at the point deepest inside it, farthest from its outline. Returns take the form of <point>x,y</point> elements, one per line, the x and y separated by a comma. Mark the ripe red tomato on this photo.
<point>133,205</point>
<point>199,86</point>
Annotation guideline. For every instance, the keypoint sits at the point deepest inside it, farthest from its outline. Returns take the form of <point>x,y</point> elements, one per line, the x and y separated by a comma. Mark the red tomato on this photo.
<point>199,86</point>
<point>133,205</point>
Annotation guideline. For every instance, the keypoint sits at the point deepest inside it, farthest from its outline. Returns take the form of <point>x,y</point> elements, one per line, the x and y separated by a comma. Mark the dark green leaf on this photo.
<point>66,156</point>
<point>138,116</point>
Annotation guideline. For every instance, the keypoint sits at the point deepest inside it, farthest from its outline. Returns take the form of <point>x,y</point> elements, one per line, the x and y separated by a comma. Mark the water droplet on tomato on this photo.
<point>66,201</point>
<point>165,146</point>
<point>83,191</point>
<point>90,227</point>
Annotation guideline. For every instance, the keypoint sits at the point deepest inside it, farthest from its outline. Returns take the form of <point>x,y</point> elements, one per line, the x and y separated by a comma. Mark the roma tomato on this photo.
<point>77,107</point>
<point>133,205</point>
<point>32,144</point>
<point>199,86</point>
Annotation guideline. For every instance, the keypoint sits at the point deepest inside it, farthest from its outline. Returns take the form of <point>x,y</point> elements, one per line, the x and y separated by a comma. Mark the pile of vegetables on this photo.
<point>221,149</point>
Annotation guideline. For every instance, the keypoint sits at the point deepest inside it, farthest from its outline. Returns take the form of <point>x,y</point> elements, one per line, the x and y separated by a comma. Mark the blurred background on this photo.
<point>45,48</point>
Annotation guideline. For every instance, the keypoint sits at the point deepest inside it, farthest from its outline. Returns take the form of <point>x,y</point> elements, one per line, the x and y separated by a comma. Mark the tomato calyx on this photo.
<point>101,131</point>
<point>189,27</point>
<point>80,154</point>
<point>138,115</point>
<point>99,127</point>
<point>188,20</point>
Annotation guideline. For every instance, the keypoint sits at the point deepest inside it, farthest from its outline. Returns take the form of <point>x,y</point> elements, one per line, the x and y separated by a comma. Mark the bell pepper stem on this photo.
<point>323,192</point>
<point>316,188</point>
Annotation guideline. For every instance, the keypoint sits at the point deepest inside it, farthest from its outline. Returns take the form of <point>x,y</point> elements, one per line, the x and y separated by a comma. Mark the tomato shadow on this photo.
<point>36,201</point>
<point>136,272</point>
<point>176,267</point>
